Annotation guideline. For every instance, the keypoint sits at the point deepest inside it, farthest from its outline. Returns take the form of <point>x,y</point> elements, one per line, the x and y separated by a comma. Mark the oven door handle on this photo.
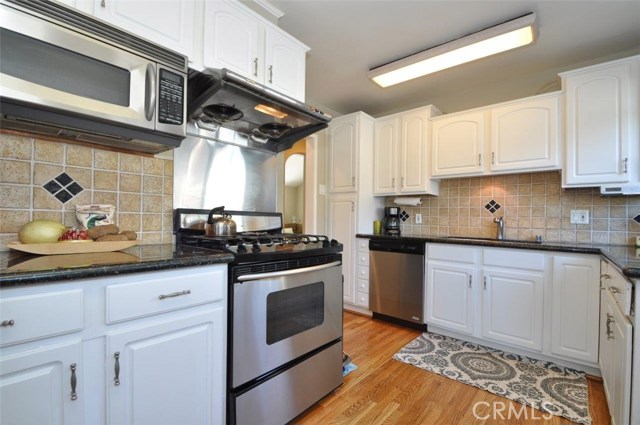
<point>258,276</point>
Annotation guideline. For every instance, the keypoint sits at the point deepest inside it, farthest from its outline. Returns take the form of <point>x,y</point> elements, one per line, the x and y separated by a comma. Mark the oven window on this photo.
<point>293,311</point>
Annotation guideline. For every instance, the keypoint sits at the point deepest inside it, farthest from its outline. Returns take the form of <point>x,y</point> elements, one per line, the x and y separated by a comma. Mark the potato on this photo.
<point>112,238</point>
<point>130,234</point>
<point>96,232</point>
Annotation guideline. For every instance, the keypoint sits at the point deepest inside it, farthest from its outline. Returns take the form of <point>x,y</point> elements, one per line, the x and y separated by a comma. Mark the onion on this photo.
<point>41,231</point>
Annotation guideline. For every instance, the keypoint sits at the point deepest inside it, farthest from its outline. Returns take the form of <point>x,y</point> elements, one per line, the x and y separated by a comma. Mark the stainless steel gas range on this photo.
<point>285,315</point>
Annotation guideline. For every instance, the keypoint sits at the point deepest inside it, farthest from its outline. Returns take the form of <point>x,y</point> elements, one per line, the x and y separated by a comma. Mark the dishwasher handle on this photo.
<point>405,246</point>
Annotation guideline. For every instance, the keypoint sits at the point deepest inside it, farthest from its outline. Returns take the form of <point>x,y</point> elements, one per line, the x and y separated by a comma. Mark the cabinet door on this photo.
<point>597,125</point>
<point>512,308</point>
<point>385,155</point>
<point>232,40</point>
<point>169,23</point>
<point>169,371</point>
<point>524,136</point>
<point>342,155</point>
<point>37,386</point>
<point>615,359</point>
<point>414,168</point>
<point>285,64</point>
<point>341,223</point>
<point>457,144</point>
<point>575,304</point>
<point>449,296</point>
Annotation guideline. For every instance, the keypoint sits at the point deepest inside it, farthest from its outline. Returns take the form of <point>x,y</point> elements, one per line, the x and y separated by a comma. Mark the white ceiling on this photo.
<point>347,38</point>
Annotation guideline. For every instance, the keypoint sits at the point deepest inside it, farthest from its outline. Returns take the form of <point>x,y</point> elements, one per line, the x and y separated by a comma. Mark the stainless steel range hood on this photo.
<point>260,118</point>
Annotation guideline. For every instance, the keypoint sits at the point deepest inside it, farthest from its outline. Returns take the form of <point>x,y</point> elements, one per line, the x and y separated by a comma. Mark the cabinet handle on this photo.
<point>116,369</point>
<point>626,165</point>
<point>103,3</point>
<point>493,158</point>
<point>615,290</point>
<point>175,294</point>
<point>255,67</point>
<point>479,159</point>
<point>393,182</point>
<point>469,281</point>
<point>609,322</point>
<point>353,206</point>
<point>484,284</point>
<point>353,181</point>
<point>6,323</point>
<point>605,276</point>
<point>74,382</point>
<point>401,181</point>
<point>271,74</point>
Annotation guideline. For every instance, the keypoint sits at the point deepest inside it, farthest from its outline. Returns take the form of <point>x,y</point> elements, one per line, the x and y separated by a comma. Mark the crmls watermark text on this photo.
<point>499,410</point>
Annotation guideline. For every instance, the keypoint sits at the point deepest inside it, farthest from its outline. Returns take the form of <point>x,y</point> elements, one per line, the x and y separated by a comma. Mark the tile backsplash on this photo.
<point>46,180</point>
<point>531,204</point>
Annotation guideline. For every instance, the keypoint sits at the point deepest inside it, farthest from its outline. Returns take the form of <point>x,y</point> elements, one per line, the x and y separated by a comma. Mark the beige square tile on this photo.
<point>168,168</point>
<point>130,222</point>
<point>15,171</point>
<point>552,200</point>
<point>152,184</point>
<point>70,219</point>
<point>105,180</point>
<point>600,237</point>
<point>46,151</point>
<point>538,189</point>
<point>13,196</point>
<point>618,225</point>
<point>43,173</point>
<point>48,215</point>
<point>552,235</point>
<point>553,176</point>
<point>524,222</point>
<point>618,200</point>
<point>130,163</point>
<point>601,224</point>
<point>15,147</point>
<point>600,212</point>
<point>538,211</point>
<point>631,201</point>
<point>151,222</point>
<point>567,236</point>
<point>583,200</point>
<point>152,204</point>
<point>167,204</point>
<point>167,222</point>
<point>463,182</point>
<point>80,156</point>
<point>618,212</point>
<point>129,202</point>
<point>151,238</point>
<point>538,178</point>
<point>168,238</point>
<point>168,189</point>
<point>619,238</point>
<point>553,223</point>
<point>524,201</point>
<point>553,189</point>
<point>583,237</point>
<point>525,234</point>
<point>108,198</point>
<point>82,198</point>
<point>153,166</point>
<point>538,223</point>
<point>130,182</point>
<point>43,200</point>
<point>12,220</point>
<point>81,175</point>
<point>105,160</point>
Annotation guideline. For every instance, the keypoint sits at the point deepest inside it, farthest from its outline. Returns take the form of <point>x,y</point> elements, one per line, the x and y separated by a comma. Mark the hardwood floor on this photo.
<point>385,391</point>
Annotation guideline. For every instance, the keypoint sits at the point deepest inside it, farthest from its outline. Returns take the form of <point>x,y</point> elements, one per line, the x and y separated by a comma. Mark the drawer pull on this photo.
<point>484,284</point>
<point>469,281</point>
<point>6,323</point>
<point>175,294</point>
<point>609,322</point>
<point>614,290</point>
<point>116,378</point>
<point>74,382</point>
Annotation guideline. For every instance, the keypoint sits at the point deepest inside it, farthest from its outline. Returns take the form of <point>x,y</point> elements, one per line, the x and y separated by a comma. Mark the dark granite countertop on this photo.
<point>19,268</point>
<point>625,257</point>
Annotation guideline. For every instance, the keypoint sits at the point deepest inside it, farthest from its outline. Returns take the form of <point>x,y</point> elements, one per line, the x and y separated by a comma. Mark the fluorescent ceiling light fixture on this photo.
<point>497,39</point>
<point>270,111</point>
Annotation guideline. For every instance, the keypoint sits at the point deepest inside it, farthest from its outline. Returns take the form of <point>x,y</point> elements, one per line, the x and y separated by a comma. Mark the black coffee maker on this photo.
<point>391,222</point>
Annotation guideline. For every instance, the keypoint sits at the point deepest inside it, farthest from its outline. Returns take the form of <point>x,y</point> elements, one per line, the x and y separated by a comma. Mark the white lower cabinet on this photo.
<point>39,385</point>
<point>163,335</point>
<point>546,303</point>
<point>362,276</point>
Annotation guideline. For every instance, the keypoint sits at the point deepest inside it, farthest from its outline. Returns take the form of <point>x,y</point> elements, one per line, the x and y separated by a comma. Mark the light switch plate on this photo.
<point>579,217</point>
<point>418,218</point>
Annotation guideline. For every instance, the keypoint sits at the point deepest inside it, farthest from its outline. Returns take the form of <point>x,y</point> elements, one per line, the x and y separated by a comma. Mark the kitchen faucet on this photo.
<point>500,222</point>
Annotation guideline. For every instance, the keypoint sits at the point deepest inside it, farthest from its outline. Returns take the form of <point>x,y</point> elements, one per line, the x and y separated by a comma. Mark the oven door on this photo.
<point>280,316</point>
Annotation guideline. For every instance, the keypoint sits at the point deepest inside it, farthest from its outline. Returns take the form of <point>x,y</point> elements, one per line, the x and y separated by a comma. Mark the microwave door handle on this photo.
<point>150,87</point>
<point>259,276</point>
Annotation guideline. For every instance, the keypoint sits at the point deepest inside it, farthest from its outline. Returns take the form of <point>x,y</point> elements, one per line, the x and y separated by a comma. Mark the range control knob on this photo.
<point>255,247</point>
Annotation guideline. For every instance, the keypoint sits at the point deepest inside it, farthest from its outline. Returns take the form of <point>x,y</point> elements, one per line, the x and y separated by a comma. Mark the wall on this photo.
<point>532,204</point>
<point>140,187</point>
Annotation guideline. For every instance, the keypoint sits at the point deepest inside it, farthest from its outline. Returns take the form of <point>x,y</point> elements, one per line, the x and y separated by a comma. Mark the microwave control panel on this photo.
<point>171,98</point>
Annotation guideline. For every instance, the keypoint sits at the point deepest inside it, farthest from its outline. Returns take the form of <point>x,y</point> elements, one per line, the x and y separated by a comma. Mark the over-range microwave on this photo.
<point>66,74</point>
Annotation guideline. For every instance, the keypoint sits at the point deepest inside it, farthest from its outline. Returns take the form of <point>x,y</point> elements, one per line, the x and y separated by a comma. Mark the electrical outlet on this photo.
<point>579,217</point>
<point>322,189</point>
<point>418,218</point>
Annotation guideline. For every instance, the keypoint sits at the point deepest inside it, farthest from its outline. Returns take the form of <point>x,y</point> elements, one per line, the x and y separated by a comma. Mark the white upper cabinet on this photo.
<point>525,135</point>
<point>601,106</point>
<point>458,144</point>
<point>238,39</point>
<point>401,161</point>
<point>342,154</point>
<point>169,23</point>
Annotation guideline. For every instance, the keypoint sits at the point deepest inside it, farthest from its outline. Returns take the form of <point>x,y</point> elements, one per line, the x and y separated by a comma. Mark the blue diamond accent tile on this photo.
<point>52,187</point>
<point>75,188</point>
<point>637,219</point>
<point>492,206</point>
<point>64,179</point>
<point>63,196</point>
<point>404,216</point>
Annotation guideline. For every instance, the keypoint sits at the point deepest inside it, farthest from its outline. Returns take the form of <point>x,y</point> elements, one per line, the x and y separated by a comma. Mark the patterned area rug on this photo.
<point>550,388</point>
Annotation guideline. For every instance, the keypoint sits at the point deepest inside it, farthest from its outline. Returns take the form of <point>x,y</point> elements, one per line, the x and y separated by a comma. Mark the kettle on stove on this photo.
<point>220,226</point>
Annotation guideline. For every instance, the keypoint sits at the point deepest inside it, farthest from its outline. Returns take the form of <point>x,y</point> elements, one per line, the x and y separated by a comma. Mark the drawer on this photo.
<point>363,259</point>
<point>363,245</point>
<point>514,258</point>
<point>165,291</point>
<point>363,286</point>
<point>39,316</point>
<point>619,287</point>
<point>362,300</point>
<point>363,272</point>
<point>457,253</point>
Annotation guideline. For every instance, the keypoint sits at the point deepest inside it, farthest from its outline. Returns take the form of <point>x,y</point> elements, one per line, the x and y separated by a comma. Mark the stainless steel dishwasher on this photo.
<point>396,280</point>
